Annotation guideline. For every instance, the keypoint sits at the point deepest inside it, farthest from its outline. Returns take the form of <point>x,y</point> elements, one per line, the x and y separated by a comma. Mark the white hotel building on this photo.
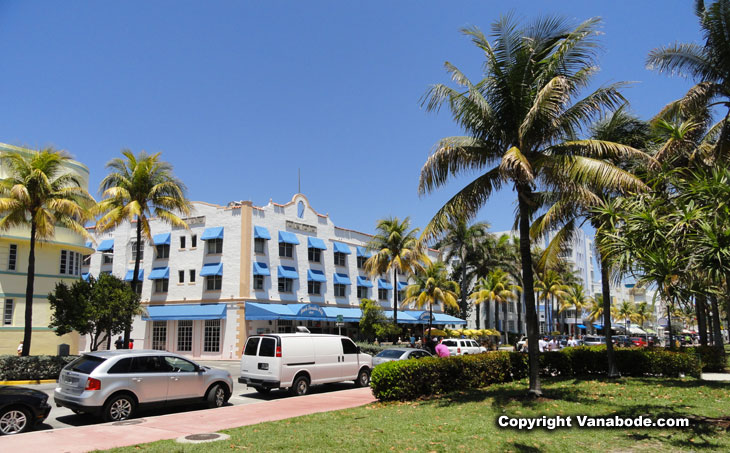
<point>241,270</point>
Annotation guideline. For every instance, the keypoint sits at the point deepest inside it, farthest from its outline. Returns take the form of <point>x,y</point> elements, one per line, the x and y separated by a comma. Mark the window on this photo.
<point>138,289</point>
<point>362,292</point>
<point>340,259</point>
<point>213,282</point>
<point>121,367</point>
<point>268,347</point>
<point>286,250</point>
<point>361,262</point>
<point>339,290</point>
<point>348,347</point>
<point>315,255</point>
<point>182,242</point>
<point>12,257</point>
<point>259,245</point>
<point>511,326</point>
<point>185,336</point>
<point>178,365</point>
<point>159,335</point>
<point>8,312</point>
<point>134,251</point>
<point>401,296</point>
<point>215,246</point>
<point>286,285</point>
<point>194,241</point>
<point>163,251</point>
<point>86,260</point>
<point>181,276</point>
<point>314,287</point>
<point>382,294</point>
<point>252,345</point>
<point>258,282</point>
<point>192,276</point>
<point>70,263</point>
<point>108,258</point>
<point>212,335</point>
<point>161,285</point>
<point>511,307</point>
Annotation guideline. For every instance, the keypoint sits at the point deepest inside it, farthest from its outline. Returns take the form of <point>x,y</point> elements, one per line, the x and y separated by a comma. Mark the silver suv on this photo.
<point>114,384</point>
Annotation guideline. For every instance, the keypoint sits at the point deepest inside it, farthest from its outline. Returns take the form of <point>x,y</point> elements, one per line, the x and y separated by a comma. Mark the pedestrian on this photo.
<point>441,349</point>
<point>542,344</point>
<point>20,348</point>
<point>554,345</point>
<point>413,341</point>
<point>119,344</point>
<point>131,343</point>
<point>376,341</point>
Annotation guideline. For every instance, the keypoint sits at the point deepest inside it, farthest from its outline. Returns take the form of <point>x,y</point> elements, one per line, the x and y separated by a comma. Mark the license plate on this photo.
<point>70,380</point>
<point>263,366</point>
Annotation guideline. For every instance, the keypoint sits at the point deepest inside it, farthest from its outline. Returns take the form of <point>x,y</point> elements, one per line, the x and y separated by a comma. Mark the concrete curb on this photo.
<point>36,381</point>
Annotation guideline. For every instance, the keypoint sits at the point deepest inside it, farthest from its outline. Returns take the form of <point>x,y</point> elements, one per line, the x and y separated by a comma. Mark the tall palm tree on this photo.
<point>136,189</point>
<point>397,249</point>
<point>643,313</point>
<point>492,253</point>
<point>462,240</point>
<point>496,287</point>
<point>577,299</point>
<point>41,194</point>
<point>551,289</point>
<point>520,121</point>
<point>432,287</point>
<point>626,312</point>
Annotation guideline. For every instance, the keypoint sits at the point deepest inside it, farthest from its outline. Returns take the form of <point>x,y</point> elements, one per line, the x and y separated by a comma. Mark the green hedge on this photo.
<point>712,358</point>
<point>30,368</point>
<point>370,348</point>
<point>410,379</point>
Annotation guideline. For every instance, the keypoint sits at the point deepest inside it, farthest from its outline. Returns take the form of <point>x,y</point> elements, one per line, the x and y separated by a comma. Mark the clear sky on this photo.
<point>239,95</point>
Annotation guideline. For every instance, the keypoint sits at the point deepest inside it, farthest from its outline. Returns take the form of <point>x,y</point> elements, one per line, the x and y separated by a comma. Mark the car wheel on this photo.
<point>14,420</point>
<point>217,396</point>
<point>118,408</point>
<point>300,386</point>
<point>263,390</point>
<point>363,378</point>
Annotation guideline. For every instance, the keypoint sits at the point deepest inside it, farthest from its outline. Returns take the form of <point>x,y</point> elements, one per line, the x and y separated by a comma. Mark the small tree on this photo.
<point>98,308</point>
<point>374,323</point>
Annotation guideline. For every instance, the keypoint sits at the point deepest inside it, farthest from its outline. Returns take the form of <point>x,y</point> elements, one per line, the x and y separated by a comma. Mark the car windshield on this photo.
<point>390,354</point>
<point>85,364</point>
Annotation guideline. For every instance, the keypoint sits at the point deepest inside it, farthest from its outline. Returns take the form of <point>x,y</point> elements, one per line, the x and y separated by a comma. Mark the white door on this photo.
<point>328,360</point>
<point>350,364</point>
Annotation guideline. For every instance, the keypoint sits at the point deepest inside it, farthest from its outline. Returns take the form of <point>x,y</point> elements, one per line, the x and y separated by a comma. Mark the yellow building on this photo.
<point>57,259</point>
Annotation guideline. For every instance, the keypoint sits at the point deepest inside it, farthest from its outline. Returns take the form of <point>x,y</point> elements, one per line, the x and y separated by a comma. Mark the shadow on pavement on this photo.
<point>315,389</point>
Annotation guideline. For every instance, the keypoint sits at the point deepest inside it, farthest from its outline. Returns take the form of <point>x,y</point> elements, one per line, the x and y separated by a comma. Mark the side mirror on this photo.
<point>200,369</point>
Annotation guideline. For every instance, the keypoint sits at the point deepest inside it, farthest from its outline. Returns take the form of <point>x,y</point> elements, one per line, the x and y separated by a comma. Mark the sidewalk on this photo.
<point>108,435</point>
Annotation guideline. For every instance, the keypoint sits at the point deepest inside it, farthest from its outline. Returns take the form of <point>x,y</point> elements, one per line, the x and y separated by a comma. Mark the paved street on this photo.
<point>61,417</point>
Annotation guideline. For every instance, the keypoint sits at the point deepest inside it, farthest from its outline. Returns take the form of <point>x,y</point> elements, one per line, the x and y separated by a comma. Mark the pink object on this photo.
<point>442,351</point>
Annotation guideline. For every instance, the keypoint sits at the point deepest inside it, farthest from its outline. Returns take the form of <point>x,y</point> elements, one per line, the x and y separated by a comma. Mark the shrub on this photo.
<point>37,367</point>
<point>369,348</point>
<point>712,358</point>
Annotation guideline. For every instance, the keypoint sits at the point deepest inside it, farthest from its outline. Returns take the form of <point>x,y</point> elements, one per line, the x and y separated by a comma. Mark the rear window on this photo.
<point>268,347</point>
<point>390,354</point>
<point>85,364</point>
<point>251,346</point>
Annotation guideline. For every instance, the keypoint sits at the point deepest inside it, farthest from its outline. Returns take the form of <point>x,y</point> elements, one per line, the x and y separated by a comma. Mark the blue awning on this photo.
<point>305,312</point>
<point>342,279</point>
<point>107,245</point>
<point>402,286</point>
<point>364,252</point>
<point>438,318</point>
<point>287,272</point>
<point>185,312</point>
<point>212,233</point>
<point>316,243</point>
<point>598,326</point>
<point>130,274</point>
<point>160,273</point>
<point>314,275</point>
<point>288,238</point>
<point>211,269</point>
<point>267,312</point>
<point>382,284</point>
<point>581,326</point>
<point>85,276</point>
<point>261,232</point>
<point>261,269</point>
<point>341,248</point>
<point>403,317</point>
<point>161,239</point>
<point>88,244</point>
<point>364,282</point>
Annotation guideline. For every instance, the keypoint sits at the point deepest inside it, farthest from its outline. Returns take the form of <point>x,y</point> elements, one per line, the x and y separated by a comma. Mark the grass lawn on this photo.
<point>467,421</point>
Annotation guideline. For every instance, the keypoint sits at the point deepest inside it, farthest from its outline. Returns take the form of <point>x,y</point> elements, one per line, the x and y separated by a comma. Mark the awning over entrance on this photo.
<point>438,318</point>
<point>184,312</point>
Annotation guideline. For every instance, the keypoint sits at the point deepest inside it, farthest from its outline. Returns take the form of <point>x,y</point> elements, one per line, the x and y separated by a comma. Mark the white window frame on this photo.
<point>286,250</point>
<point>70,263</point>
<point>314,254</point>
<point>363,292</point>
<point>133,245</point>
<point>162,251</point>
<point>382,294</point>
<point>159,335</point>
<point>361,262</point>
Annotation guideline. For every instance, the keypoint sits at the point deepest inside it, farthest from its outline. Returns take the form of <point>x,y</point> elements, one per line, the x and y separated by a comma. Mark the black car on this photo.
<point>21,408</point>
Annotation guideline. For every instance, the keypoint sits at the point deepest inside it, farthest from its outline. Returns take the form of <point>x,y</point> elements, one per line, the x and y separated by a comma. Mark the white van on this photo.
<point>298,360</point>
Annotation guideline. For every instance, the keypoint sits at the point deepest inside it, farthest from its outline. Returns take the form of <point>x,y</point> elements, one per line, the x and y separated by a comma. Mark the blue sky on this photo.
<point>240,95</point>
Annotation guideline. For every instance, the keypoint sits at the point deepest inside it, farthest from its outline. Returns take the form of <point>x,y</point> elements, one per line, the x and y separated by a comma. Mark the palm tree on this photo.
<point>577,299</point>
<point>626,312</point>
<point>136,189</point>
<point>396,248</point>
<point>40,193</point>
<point>521,118</point>
<point>462,240</point>
<point>551,289</point>
<point>492,252</point>
<point>498,288</point>
<point>431,287</point>
<point>643,313</point>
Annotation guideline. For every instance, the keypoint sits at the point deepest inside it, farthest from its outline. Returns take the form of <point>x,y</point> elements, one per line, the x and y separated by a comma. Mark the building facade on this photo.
<point>58,259</point>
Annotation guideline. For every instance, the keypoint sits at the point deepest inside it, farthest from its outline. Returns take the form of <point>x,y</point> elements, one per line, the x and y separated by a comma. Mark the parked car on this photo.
<point>389,355</point>
<point>114,384</point>
<point>638,342</point>
<point>593,340</point>
<point>462,346</point>
<point>623,341</point>
<point>298,360</point>
<point>21,409</point>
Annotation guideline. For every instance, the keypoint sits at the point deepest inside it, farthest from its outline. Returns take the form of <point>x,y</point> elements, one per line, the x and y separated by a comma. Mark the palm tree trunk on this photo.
<point>430,318</point>
<point>716,329</point>
<point>395,299</point>
<point>529,283</point>
<point>605,286</point>
<point>477,310</point>
<point>28,330</point>
<point>463,282</point>
<point>496,316</point>
<point>504,322</point>
<point>135,280</point>
<point>487,316</point>
<point>700,301</point>
<point>575,326</point>
<point>669,325</point>
<point>519,315</point>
